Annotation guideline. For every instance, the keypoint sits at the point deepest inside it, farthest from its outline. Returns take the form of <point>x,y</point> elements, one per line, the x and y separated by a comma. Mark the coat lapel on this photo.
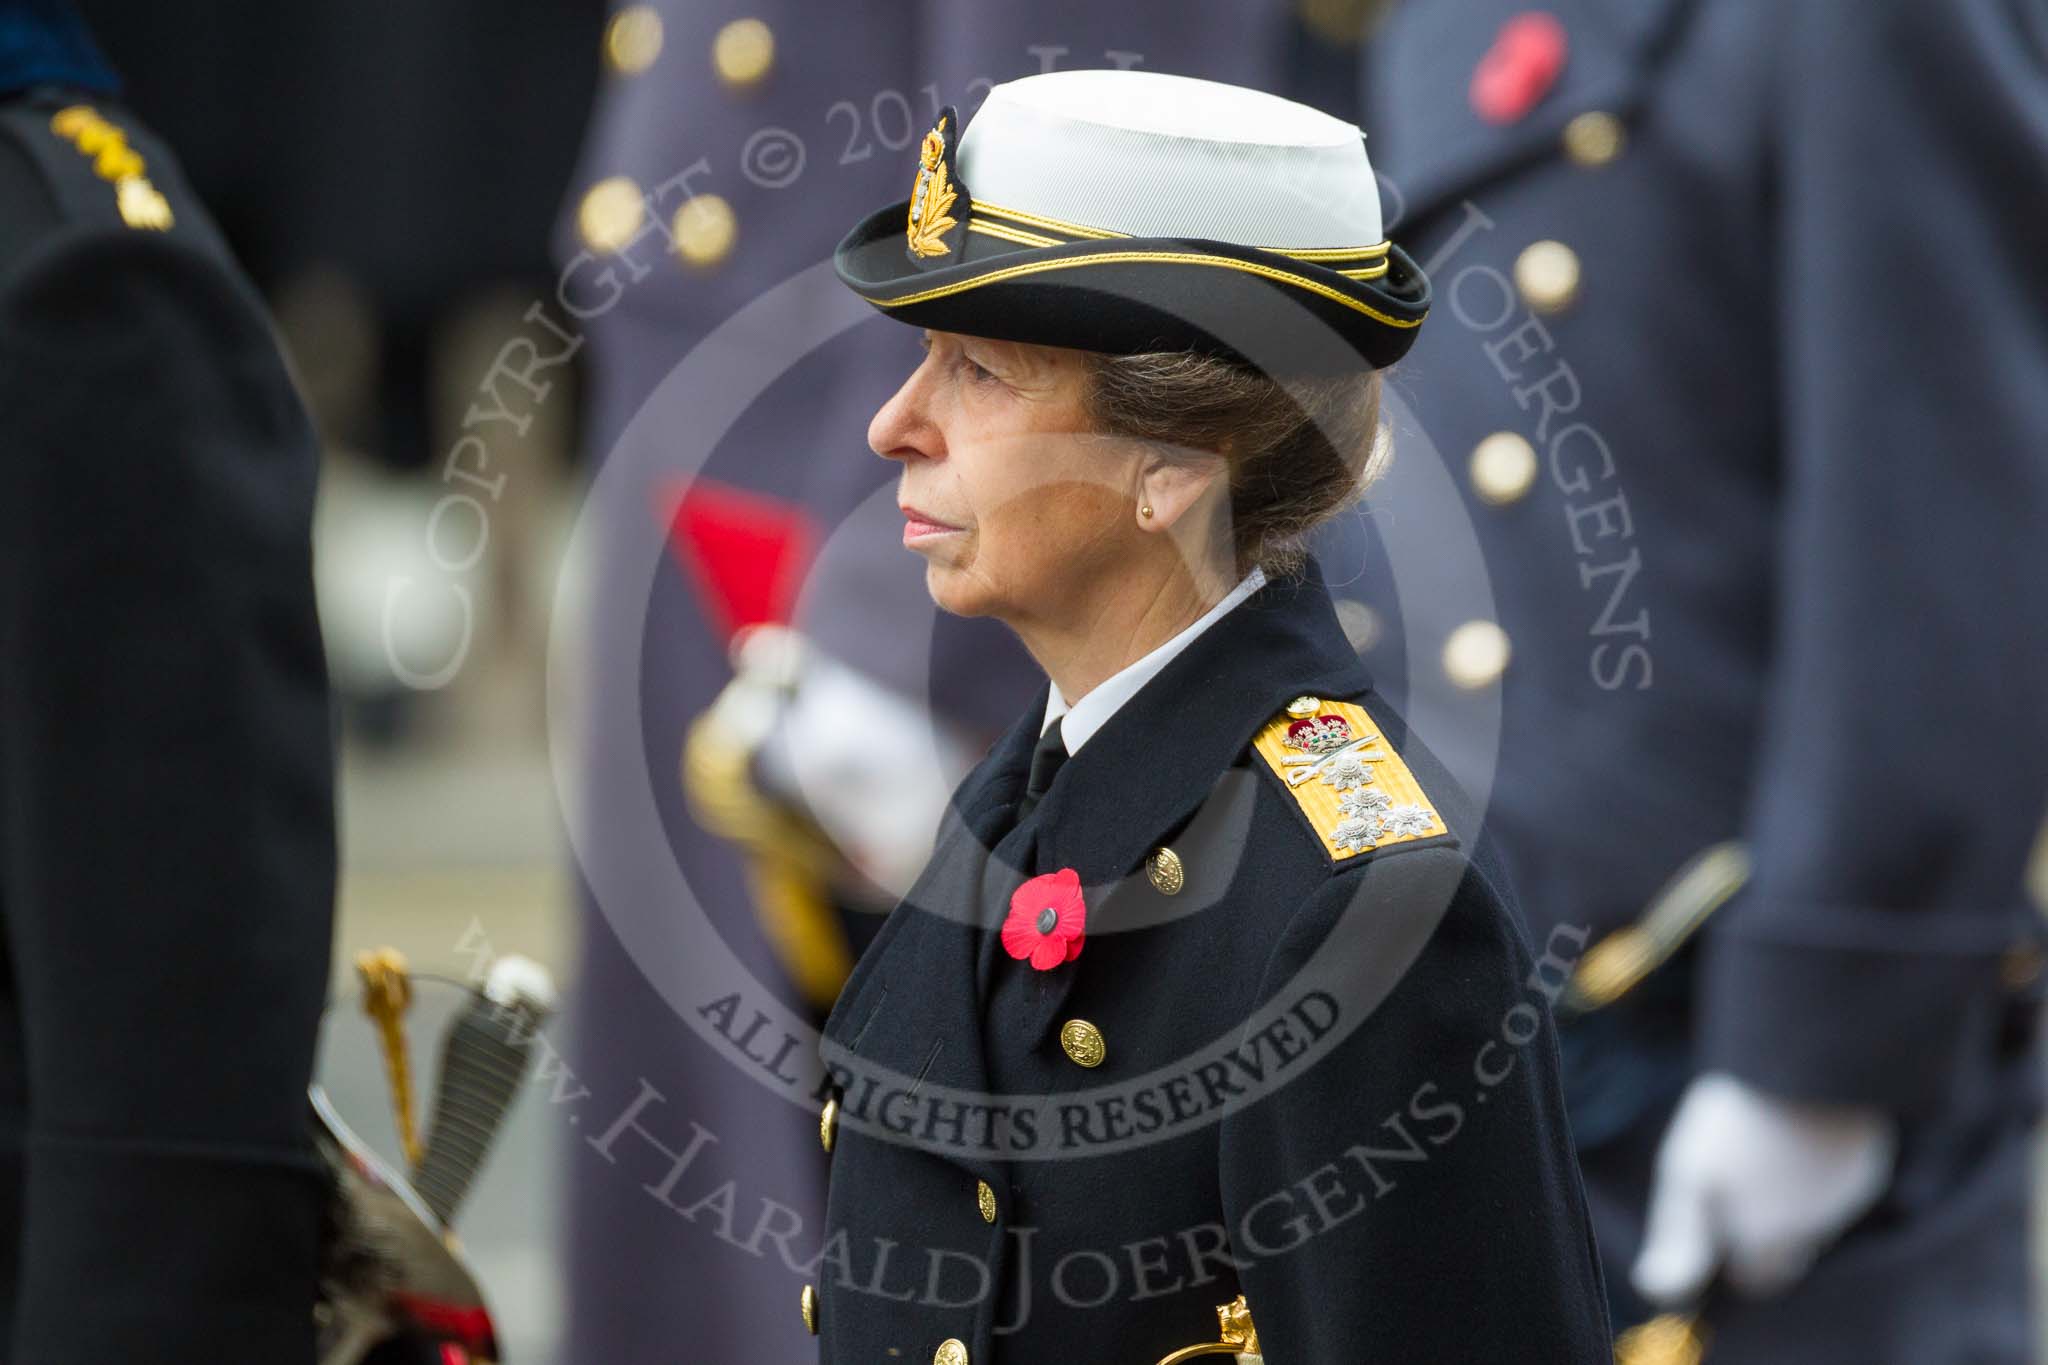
<point>968,832</point>
<point>1142,776</point>
<point>1156,762</point>
<point>904,1015</point>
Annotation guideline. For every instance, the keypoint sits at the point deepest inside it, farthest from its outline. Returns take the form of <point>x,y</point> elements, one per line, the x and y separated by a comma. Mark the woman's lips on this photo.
<point>920,526</point>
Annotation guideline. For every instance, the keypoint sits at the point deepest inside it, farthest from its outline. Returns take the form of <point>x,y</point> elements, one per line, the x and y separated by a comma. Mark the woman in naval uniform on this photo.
<point>1304,1070</point>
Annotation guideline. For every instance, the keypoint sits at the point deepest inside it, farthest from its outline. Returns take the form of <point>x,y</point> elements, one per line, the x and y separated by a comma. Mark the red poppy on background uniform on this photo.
<point>1048,921</point>
<point>1520,68</point>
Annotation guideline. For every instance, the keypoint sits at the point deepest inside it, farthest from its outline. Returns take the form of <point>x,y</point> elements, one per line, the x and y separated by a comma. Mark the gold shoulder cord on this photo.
<point>789,863</point>
<point>1618,963</point>
<point>387,994</point>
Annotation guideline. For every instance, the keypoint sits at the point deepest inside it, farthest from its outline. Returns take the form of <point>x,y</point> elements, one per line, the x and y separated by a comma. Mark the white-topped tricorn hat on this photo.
<point>1133,211</point>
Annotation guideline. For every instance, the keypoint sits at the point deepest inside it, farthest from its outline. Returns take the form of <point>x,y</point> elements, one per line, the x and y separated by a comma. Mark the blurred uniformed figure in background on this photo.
<point>166,826</point>
<point>1742,362</point>
<point>787,558</point>
<point>387,176</point>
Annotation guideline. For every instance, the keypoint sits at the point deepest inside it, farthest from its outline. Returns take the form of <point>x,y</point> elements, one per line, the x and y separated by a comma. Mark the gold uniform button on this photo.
<point>985,1200</point>
<point>1304,705</point>
<point>1361,623</point>
<point>1503,468</point>
<point>611,212</point>
<point>742,52</point>
<point>1166,871</point>
<point>2037,870</point>
<point>1476,654</point>
<point>828,1122</point>
<point>810,1307</point>
<point>1594,138</point>
<point>632,40</point>
<point>1083,1042</point>
<point>952,1351</point>
<point>142,205</point>
<point>1547,276</point>
<point>705,229</point>
<point>2021,966</point>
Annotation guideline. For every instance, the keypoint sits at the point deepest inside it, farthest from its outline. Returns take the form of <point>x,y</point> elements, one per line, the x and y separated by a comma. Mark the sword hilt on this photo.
<point>483,1063</point>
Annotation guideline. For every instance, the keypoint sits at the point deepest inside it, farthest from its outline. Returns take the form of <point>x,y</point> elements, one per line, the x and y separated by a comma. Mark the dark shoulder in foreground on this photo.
<point>1394,832</point>
<point>1433,1126</point>
<point>75,165</point>
<point>153,426</point>
<point>1394,835</point>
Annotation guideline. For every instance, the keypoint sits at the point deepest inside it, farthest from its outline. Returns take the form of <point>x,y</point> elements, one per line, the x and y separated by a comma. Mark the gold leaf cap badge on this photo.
<point>938,201</point>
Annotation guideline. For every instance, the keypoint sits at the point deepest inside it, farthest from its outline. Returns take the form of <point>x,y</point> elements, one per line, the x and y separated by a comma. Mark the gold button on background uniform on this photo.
<point>1083,1042</point>
<point>1594,138</point>
<point>705,229</point>
<point>985,1200</point>
<point>632,40</point>
<point>611,212</point>
<point>1304,706</point>
<point>1165,870</point>
<point>1475,654</point>
<point>828,1122</point>
<point>810,1307</point>
<point>1361,623</point>
<point>2037,870</point>
<point>952,1351</point>
<point>1547,276</point>
<point>1503,468</point>
<point>743,52</point>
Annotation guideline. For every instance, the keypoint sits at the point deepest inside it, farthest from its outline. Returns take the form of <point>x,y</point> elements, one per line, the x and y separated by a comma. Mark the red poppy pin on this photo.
<point>1520,68</point>
<point>1048,921</point>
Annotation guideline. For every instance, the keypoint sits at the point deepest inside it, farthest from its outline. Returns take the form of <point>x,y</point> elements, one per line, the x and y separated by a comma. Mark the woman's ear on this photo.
<point>1169,489</point>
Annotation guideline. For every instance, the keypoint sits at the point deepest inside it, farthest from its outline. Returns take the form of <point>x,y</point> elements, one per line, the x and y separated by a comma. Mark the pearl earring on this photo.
<point>1146,510</point>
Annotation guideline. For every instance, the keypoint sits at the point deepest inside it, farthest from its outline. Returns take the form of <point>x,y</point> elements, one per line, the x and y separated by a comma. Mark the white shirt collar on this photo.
<point>1089,714</point>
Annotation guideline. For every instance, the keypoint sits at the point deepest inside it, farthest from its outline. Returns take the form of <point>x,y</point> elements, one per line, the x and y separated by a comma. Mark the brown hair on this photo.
<point>1298,450</point>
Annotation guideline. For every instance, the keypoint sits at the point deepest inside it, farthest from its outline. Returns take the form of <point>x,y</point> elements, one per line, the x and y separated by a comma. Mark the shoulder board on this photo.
<point>89,158</point>
<point>1354,790</point>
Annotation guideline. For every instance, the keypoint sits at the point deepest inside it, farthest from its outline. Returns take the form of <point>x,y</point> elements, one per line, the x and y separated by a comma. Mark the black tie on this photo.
<point>1045,765</point>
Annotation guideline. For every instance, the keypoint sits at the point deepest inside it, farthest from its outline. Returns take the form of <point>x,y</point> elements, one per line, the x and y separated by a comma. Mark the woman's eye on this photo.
<point>978,373</point>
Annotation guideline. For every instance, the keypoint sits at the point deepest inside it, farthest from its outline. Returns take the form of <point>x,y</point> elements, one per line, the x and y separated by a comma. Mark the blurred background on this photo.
<point>489,235</point>
<point>404,182</point>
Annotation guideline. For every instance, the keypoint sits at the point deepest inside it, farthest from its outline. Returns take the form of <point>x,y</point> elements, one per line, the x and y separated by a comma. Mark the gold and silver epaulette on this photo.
<point>1355,791</point>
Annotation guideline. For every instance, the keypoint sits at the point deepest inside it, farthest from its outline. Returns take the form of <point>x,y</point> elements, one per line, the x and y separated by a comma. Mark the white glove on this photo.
<point>874,768</point>
<point>1761,1183</point>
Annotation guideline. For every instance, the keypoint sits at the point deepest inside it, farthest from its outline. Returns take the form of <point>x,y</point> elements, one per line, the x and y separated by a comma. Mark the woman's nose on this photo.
<point>903,428</point>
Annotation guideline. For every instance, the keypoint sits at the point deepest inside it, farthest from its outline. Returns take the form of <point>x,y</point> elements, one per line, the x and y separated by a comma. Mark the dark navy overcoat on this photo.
<point>1323,1075</point>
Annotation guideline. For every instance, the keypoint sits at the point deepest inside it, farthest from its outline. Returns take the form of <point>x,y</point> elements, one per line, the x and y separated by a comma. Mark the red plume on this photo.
<point>746,552</point>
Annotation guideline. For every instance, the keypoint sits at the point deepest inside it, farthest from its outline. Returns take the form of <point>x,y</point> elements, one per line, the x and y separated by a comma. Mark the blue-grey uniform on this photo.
<point>1740,360</point>
<point>706,106</point>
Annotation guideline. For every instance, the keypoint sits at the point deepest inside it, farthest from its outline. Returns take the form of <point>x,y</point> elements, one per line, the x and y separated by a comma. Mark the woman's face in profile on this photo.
<point>1012,499</point>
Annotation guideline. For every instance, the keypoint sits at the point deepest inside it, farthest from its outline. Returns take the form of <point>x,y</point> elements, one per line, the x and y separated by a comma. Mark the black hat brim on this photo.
<point>1130,295</point>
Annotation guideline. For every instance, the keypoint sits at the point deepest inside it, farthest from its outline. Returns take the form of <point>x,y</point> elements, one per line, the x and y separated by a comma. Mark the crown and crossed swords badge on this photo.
<point>1335,745</point>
